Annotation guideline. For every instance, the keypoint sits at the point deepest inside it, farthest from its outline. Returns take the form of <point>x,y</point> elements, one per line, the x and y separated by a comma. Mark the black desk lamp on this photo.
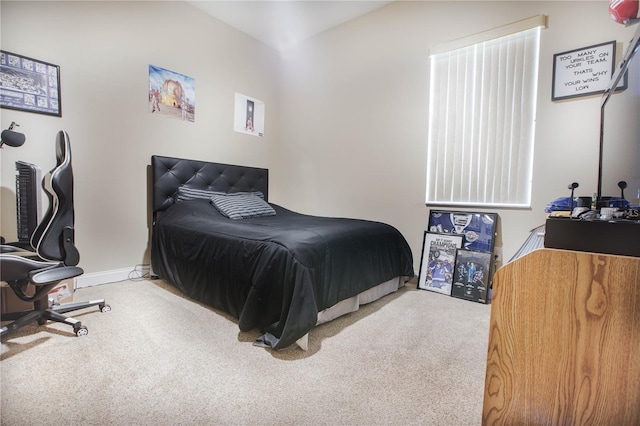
<point>11,138</point>
<point>622,185</point>
<point>572,187</point>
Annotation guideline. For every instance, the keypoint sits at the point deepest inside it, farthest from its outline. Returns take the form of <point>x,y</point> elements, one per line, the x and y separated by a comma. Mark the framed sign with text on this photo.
<point>585,71</point>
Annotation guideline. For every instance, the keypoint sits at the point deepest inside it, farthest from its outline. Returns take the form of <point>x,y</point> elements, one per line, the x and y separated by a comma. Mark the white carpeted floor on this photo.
<point>411,358</point>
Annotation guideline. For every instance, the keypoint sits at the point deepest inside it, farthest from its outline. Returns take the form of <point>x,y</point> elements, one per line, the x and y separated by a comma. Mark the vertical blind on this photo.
<point>482,106</point>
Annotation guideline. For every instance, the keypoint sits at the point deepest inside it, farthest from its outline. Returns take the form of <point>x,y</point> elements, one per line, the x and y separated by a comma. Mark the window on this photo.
<point>482,106</point>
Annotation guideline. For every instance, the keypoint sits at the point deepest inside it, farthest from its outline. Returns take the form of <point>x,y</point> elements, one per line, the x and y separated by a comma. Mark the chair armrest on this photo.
<point>20,251</point>
<point>51,275</point>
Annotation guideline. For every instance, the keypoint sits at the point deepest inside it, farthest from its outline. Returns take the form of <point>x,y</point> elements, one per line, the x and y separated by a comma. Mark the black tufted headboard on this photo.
<point>170,173</point>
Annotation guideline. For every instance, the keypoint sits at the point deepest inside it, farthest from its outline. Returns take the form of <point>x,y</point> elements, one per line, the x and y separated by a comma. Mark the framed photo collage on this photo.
<point>457,254</point>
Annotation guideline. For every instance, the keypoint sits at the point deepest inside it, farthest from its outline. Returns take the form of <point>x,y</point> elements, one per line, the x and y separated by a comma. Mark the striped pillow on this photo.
<point>187,194</point>
<point>241,205</point>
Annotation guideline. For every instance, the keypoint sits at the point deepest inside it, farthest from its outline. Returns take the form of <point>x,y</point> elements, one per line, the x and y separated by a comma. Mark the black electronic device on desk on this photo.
<point>618,236</point>
<point>616,231</point>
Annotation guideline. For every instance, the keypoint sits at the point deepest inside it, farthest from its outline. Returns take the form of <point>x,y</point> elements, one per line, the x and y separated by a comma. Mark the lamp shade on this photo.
<point>11,138</point>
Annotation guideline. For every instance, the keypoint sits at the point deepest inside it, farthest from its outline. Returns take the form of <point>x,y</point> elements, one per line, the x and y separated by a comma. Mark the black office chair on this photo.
<point>33,274</point>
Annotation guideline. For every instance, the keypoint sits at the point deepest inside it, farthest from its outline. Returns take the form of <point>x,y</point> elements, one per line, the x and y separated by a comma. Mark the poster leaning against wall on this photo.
<point>438,261</point>
<point>471,275</point>
<point>479,229</point>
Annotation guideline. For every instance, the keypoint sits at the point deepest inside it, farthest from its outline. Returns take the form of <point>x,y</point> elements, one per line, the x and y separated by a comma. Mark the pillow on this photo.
<point>241,205</point>
<point>185,194</point>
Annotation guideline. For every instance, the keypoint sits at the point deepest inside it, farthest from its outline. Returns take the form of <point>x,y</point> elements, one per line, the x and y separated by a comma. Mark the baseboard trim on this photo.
<point>104,277</point>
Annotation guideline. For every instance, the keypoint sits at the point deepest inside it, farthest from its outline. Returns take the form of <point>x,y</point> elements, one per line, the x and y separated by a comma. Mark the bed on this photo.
<point>276,270</point>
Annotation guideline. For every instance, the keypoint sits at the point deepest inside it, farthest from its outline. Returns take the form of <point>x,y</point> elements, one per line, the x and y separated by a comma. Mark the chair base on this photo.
<point>52,312</point>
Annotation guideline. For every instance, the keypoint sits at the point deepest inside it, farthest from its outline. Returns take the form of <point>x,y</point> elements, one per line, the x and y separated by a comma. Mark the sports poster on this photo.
<point>479,229</point>
<point>438,261</point>
<point>471,275</point>
<point>27,84</point>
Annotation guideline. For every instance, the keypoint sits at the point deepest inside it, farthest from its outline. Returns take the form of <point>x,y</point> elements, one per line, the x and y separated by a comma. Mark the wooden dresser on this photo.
<point>564,341</point>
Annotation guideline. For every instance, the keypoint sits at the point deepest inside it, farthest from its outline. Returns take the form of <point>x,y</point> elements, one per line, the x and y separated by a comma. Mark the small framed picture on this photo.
<point>248,116</point>
<point>172,94</point>
<point>438,261</point>
<point>479,229</point>
<point>471,275</point>
<point>29,84</point>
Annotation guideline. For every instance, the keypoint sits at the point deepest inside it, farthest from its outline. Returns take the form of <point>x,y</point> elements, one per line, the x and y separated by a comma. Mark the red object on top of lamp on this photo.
<point>624,11</point>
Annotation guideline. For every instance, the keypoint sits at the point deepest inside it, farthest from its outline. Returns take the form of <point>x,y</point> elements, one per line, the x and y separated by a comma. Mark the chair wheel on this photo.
<point>104,308</point>
<point>81,331</point>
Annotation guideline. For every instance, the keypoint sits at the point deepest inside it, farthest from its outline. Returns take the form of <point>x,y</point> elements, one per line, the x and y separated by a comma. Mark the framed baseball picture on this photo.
<point>29,84</point>
<point>438,261</point>
<point>471,275</point>
<point>479,229</point>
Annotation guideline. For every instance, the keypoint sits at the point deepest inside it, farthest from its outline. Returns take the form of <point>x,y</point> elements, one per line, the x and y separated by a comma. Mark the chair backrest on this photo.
<point>53,239</point>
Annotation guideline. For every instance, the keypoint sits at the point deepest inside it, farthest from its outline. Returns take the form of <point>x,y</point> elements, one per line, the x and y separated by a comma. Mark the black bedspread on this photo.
<point>274,273</point>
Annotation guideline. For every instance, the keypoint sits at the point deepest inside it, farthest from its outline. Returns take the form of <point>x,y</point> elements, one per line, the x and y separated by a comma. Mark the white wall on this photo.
<point>345,112</point>
<point>104,50</point>
<point>356,108</point>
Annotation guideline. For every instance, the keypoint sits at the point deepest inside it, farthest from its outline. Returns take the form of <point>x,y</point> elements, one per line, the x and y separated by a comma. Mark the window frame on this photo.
<point>463,144</point>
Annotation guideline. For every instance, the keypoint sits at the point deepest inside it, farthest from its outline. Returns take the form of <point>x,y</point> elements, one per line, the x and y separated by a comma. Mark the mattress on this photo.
<point>352,304</point>
<point>276,273</point>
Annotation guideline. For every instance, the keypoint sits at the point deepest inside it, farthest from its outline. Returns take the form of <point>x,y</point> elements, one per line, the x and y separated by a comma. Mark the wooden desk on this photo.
<point>564,341</point>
